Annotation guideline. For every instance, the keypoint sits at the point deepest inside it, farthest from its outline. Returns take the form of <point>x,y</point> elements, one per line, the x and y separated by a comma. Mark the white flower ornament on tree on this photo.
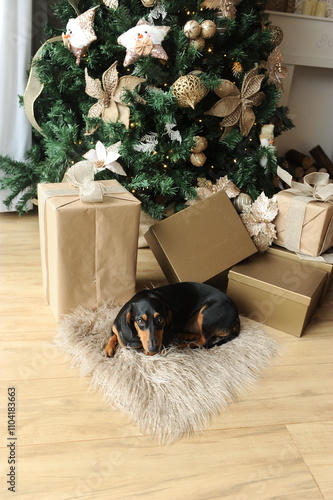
<point>142,40</point>
<point>103,157</point>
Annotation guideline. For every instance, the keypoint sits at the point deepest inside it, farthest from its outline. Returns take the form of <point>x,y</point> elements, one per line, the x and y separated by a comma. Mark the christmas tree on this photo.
<point>157,94</point>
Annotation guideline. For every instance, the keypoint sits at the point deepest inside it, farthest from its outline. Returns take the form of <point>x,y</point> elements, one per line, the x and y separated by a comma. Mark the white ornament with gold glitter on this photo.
<point>80,34</point>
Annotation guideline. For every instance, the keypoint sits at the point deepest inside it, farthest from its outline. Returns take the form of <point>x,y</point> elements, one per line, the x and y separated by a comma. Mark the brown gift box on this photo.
<point>278,292</point>
<point>317,226</point>
<point>89,250</point>
<point>201,241</point>
<point>317,264</point>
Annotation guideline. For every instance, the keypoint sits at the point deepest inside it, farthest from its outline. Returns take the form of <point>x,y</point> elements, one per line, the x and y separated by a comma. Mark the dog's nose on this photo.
<point>153,349</point>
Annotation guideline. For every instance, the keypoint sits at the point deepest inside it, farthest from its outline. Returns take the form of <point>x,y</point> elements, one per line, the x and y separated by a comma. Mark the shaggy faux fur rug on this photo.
<point>173,393</point>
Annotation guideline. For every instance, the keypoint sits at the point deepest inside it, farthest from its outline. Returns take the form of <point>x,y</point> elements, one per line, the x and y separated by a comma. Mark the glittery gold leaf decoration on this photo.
<point>235,107</point>
<point>188,90</point>
<point>276,70</point>
<point>236,68</point>
<point>113,4</point>
<point>207,188</point>
<point>226,7</point>
<point>258,218</point>
<point>109,93</point>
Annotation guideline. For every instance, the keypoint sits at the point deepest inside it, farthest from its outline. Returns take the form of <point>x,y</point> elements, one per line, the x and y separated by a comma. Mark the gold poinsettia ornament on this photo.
<point>109,94</point>
<point>235,106</point>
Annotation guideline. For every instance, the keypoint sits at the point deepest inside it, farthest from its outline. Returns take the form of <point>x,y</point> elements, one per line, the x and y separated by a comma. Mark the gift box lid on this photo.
<point>274,274</point>
<point>201,241</point>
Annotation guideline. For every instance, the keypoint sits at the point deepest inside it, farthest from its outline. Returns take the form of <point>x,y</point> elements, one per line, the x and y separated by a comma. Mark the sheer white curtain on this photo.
<point>16,29</point>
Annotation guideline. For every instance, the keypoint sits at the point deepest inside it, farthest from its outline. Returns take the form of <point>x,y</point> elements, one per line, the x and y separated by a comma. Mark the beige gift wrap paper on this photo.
<point>89,250</point>
<point>304,223</point>
<point>317,226</point>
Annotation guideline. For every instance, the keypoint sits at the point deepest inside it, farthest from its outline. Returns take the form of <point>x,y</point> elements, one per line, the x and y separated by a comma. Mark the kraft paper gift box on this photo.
<point>89,250</point>
<point>316,262</point>
<point>201,241</point>
<point>304,223</point>
<point>276,291</point>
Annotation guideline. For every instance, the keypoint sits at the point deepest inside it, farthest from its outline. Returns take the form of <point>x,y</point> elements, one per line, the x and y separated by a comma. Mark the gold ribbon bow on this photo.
<point>143,47</point>
<point>316,187</point>
<point>81,176</point>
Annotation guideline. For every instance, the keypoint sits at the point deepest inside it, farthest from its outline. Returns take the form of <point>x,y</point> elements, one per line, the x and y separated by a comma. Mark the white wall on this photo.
<point>310,102</point>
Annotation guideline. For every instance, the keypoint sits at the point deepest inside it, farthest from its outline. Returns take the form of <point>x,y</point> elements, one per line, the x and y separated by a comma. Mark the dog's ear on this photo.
<point>124,323</point>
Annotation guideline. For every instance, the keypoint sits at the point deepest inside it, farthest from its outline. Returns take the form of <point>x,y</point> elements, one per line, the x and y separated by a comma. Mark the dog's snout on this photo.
<point>152,346</point>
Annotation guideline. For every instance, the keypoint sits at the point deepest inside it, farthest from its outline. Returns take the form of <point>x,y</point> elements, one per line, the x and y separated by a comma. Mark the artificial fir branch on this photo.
<point>166,176</point>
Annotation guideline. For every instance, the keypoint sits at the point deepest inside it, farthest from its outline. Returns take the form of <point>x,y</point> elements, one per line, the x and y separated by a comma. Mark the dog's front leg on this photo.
<point>110,348</point>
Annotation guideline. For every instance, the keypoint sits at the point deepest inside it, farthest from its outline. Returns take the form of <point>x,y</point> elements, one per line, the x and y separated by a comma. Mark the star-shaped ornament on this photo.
<point>142,40</point>
<point>80,34</point>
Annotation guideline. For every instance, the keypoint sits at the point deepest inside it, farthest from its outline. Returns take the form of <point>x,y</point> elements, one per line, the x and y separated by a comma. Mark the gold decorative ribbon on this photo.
<point>34,87</point>
<point>315,187</point>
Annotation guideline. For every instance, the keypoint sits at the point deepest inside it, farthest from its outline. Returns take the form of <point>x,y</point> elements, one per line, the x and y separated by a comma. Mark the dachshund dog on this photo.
<point>188,314</point>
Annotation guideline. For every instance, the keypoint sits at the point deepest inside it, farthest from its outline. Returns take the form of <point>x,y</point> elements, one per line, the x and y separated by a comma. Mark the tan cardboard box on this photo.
<point>278,292</point>
<point>324,266</point>
<point>201,241</point>
<point>89,250</point>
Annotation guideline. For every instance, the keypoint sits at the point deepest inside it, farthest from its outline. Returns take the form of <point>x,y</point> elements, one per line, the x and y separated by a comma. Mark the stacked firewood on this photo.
<point>300,164</point>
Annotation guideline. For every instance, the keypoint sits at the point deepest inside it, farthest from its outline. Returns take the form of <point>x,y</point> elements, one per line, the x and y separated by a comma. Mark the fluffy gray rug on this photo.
<point>171,394</point>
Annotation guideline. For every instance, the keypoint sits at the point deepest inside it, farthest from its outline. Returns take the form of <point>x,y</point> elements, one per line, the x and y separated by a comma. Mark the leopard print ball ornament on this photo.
<point>188,90</point>
<point>192,29</point>
<point>208,29</point>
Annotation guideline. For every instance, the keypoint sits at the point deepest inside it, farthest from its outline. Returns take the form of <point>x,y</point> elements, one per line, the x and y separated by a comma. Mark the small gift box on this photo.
<point>89,241</point>
<point>304,223</point>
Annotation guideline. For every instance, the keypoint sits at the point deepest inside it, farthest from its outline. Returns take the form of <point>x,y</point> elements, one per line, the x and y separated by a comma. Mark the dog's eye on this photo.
<point>140,322</point>
<point>160,320</point>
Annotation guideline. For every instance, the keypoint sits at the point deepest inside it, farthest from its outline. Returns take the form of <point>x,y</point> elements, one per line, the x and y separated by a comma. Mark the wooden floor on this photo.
<point>275,442</point>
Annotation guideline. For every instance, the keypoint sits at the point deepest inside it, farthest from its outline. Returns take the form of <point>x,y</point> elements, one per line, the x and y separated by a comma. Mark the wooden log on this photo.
<point>322,159</point>
<point>299,158</point>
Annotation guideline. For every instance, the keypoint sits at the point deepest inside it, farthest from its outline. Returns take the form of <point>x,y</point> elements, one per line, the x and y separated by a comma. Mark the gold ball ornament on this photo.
<point>208,28</point>
<point>241,201</point>
<point>198,43</point>
<point>200,145</point>
<point>198,159</point>
<point>192,29</point>
<point>148,3</point>
<point>188,90</point>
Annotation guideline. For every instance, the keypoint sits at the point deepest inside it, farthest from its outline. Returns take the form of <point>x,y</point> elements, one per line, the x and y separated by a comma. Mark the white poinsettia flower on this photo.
<point>103,157</point>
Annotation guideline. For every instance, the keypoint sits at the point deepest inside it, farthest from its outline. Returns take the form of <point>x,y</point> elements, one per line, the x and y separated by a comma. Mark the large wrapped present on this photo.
<point>304,223</point>
<point>89,242</point>
<point>201,241</point>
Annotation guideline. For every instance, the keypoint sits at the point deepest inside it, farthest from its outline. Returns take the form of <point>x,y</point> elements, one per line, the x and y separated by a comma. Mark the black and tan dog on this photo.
<point>188,314</point>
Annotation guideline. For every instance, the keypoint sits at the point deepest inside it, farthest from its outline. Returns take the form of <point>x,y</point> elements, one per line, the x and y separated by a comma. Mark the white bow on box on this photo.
<point>81,176</point>
<point>316,185</point>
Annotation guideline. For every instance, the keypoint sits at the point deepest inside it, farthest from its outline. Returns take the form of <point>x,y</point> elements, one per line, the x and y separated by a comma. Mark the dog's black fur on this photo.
<point>188,314</point>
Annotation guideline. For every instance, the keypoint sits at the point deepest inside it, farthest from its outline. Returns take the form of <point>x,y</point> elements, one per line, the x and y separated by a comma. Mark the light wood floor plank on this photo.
<point>260,463</point>
<point>273,442</point>
<point>315,443</point>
